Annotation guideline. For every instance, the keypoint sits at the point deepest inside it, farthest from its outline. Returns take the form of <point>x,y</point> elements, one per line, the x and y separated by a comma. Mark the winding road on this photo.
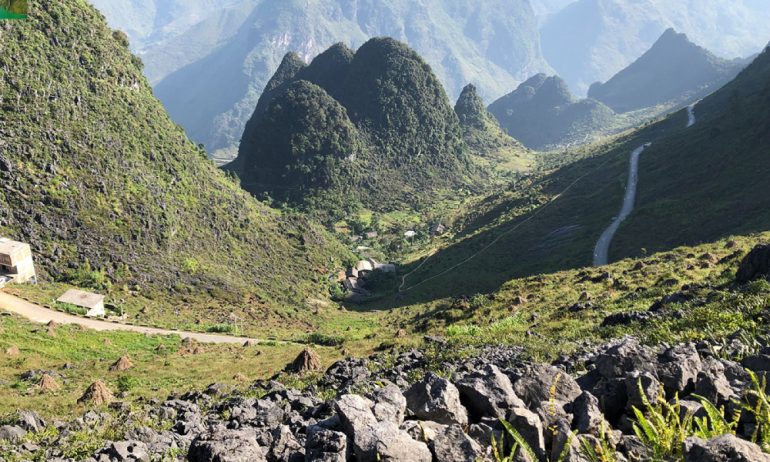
<point>602,249</point>
<point>42,315</point>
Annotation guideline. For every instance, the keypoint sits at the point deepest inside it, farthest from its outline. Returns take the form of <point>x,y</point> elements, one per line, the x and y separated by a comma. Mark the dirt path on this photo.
<point>39,314</point>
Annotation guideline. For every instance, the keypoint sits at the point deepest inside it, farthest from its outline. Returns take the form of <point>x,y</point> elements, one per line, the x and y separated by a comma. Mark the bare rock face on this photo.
<point>755,265</point>
<point>221,445</point>
<point>97,394</point>
<point>325,445</point>
<point>436,399</point>
<point>488,392</point>
<point>373,440</point>
<point>453,445</point>
<point>727,448</point>
<point>307,361</point>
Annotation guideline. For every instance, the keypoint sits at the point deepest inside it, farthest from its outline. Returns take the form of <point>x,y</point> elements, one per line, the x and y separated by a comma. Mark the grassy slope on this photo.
<point>696,185</point>
<point>111,193</point>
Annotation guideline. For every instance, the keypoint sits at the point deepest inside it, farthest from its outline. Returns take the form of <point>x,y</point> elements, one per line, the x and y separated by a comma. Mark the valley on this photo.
<point>378,264</point>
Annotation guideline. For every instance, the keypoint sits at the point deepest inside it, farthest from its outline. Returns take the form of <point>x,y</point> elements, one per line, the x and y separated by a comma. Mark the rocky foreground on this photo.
<point>383,414</point>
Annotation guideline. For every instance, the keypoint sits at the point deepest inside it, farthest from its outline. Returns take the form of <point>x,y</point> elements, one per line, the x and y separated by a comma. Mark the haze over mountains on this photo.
<point>591,40</point>
<point>462,41</point>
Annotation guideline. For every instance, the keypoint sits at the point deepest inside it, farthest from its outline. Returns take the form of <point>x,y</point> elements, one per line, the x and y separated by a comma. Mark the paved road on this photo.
<point>602,249</point>
<point>39,314</point>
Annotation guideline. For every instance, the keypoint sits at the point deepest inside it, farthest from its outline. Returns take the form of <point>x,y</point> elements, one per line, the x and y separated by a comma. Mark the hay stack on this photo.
<point>48,384</point>
<point>97,394</point>
<point>307,361</point>
<point>122,364</point>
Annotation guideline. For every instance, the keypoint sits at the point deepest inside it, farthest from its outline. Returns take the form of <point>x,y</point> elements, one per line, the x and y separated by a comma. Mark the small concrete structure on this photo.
<point>16,262</point>
<point>94,303</point>
<point>410,234</point>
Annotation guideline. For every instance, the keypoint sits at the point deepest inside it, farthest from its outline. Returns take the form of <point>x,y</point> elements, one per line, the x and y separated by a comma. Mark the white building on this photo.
<point>94,303</point>
<point>16,262</point>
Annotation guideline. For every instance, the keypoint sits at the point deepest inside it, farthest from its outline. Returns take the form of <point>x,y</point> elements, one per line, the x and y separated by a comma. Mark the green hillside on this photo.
<point>696,184</point>
<point>113,196</point>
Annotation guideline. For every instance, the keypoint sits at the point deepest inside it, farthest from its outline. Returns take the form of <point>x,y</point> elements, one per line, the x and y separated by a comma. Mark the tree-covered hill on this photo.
<point>542,113</point>
<point>111,193</point>
<point>390,139</point>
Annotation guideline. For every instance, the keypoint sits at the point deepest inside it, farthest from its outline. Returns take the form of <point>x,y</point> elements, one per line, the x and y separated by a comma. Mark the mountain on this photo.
<point>112,194</point>
<point>673,71</point>
<point>592,40</point>
<point>542,113</point>
<point>483,136</point>
<point>462,41</point>
<point>374,127</point>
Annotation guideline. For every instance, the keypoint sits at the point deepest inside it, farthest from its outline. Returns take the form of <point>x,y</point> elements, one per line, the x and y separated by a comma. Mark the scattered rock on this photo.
<point>125,451</point>
<point>755,265</point>
<point>453,445</point>
<point>488,392</point>
<point>122,364</point>
<point>12,433</point>
<point>325,445</point>
<point>48,384</point>
<point>727,448</point>
<point>221,445</point>
<point>96,394</point>
<point>30,421</point>
<point>434,398</point>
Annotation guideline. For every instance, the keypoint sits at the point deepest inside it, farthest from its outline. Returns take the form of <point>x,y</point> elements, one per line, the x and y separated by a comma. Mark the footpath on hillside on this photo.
<point>42,315</point>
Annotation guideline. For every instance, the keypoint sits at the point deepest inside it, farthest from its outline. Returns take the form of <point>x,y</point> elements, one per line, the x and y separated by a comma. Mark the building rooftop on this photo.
<point>81,298</point>
<point>10,248</point>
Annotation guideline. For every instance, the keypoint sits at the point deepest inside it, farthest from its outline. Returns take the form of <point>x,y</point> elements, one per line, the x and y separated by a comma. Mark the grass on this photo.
<point>161,367</point>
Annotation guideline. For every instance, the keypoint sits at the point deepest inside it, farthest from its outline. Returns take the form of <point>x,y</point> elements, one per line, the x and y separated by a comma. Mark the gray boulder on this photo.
<point>30,421</point>
<point>453,445</point>
<point>435,398</point>
<point>124,451</point>
<point>221,445</point>
<point>488,393</point>
<point>539,383</point>
<point>588,417</point>
<point>678,369</point>
<point>626,355</point>
<point>727,448</point>
<point>285,447</point>
<point>373,440</point>
<point>389,404</point>
<point>755,265</point>
<point>325,445</point>
<point>641,387</point>
<point>12,433</point>
<point>528,424</point>
<point>423,430</point>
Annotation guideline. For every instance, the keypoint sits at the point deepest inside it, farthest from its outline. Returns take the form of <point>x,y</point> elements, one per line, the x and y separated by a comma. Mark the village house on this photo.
<point>93,303</point>
<point>16,263</point>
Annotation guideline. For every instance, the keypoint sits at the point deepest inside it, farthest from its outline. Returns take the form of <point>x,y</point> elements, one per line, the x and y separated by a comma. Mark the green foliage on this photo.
<point>714,423</point>
<point>661,427</point>
<point>603,451</point>
<point>317,338</point>
<point>758,404</point>
<point>127,383</point>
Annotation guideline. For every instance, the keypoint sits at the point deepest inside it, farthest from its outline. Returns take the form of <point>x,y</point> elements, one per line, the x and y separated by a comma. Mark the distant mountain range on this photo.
<point>243,44</point>
<point>673,71</point>
<point>591,40</point>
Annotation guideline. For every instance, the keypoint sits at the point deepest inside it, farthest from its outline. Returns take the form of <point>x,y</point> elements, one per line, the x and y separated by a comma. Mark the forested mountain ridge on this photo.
<point>463,42</point>
<point>373,128</point>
